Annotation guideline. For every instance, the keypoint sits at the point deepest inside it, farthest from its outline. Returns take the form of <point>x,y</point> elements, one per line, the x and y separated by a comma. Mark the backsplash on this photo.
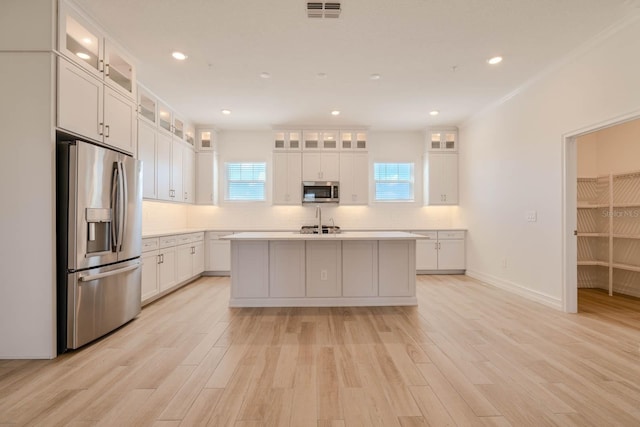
<point>161,216</point>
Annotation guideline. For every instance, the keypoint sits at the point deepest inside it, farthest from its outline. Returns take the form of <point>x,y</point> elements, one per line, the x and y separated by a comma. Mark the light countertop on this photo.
<point>147,234</point>
<point>347,235</point>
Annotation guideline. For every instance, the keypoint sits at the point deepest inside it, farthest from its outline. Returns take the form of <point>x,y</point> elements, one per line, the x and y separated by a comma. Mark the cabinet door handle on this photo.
<point>100,129</point>
<point>106,70</point>
<point>185,195</point>
<point>101,66</point>
<point>106,134</point>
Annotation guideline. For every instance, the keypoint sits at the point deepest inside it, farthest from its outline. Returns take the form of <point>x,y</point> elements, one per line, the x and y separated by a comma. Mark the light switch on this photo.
<point>532,216</point>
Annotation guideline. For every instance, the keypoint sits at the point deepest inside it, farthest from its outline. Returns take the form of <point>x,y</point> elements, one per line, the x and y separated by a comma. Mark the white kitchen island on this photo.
<point>289,269</point>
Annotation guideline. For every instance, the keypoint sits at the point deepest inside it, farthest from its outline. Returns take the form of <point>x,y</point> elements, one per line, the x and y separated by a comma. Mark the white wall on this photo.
<point>511,161</point>
<point>383,146</point>
<point>27,172</point>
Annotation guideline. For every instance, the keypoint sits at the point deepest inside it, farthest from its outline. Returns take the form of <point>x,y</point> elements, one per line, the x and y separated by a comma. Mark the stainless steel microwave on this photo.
<point>320,192</point>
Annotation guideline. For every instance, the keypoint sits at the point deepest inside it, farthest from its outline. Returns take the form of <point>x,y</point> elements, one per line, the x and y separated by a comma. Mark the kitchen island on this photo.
<point>290,269</point>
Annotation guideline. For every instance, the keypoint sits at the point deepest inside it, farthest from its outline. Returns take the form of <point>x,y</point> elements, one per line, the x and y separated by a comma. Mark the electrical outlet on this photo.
<point>323,274</point>
<point>532,216</point>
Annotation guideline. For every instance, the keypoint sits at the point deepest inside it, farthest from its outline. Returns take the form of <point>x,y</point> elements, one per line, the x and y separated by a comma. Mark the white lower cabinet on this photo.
<point>166,263</point>
<point>150,285</point>
<point>360,268</point>
<point>397,266</point>
<point>286,269</point>
<point>324,269</point>
<point>167,274</point>
<point>441,251</point>
<point>217,253</point>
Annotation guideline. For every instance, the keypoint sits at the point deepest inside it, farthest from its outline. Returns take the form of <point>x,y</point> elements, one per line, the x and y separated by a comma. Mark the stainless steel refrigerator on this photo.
<point>99,224</point>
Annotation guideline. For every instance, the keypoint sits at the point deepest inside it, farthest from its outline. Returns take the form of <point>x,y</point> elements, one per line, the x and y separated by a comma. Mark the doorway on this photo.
<point>602,212</point>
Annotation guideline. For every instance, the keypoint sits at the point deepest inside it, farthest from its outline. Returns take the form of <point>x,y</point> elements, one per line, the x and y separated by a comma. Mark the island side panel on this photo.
<point>397,268</point>
<point>249,269</point>
<point>286,269</point>
<point>360,268</point>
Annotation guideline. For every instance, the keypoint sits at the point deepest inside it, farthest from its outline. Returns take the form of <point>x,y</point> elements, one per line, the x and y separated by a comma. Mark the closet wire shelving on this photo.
<point>608,221</point>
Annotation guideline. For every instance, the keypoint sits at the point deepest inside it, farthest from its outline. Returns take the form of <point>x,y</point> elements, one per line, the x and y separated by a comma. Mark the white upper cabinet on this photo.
<point>441,140</point>
<point>147,153</point>
<point>323,166</point>
<point>441,172</point>
<point>353,140</point>
<point>83,42</point>
<point>287,178</point>
<point>89,108</point>
<point>354,178</point>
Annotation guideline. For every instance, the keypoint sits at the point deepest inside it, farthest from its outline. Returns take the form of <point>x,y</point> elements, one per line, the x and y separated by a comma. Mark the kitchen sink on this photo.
<point>326,229</point>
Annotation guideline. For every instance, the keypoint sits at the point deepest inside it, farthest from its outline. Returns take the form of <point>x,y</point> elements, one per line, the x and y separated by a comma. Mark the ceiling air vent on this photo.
<point>331,10</point>
<point>314,10</point>
<point>323,10</point>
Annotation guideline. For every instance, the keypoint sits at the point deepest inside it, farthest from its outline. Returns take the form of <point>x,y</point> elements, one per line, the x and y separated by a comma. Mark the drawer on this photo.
<point>182,239</point>
<point>150,244</point>
<point>428,235</point>
<point>168,241</point>
<point>448,235</point>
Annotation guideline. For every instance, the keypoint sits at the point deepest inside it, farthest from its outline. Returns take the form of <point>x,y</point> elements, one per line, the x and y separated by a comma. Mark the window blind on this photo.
<point>245,181</point>
<point>393,181</point>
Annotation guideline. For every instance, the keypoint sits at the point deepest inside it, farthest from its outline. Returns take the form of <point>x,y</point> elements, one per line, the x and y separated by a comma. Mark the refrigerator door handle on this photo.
<point>115,208</point>
<point>124,197</point>
<point>90,277</point>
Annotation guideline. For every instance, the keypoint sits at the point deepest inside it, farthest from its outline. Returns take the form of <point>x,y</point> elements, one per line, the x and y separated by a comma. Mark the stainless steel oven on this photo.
<point>320,192</point>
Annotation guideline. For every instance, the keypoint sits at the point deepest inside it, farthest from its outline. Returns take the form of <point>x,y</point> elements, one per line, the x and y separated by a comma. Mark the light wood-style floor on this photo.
<point>469,354</point>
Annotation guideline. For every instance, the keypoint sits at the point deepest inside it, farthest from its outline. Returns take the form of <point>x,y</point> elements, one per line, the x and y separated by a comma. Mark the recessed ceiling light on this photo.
<point>226,112</point>
<point>321,75</point>
<point>82,55</point>
<point>375,76</point>
<point>434,113</point>
<point>495,60</point>
<point>179,56</point>
<point>86,40</point>
<point>265,75</point>
<point>335,113</point>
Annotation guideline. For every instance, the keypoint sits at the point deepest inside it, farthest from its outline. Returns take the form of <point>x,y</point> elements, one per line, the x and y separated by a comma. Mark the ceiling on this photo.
<point>430,54</point>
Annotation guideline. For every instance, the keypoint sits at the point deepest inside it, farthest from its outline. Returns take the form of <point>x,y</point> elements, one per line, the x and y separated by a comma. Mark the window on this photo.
<point>245,181</point>
<point>394,181</point>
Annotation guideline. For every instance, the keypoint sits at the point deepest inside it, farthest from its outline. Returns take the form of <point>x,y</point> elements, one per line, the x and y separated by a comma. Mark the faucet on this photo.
<point>319,216</point>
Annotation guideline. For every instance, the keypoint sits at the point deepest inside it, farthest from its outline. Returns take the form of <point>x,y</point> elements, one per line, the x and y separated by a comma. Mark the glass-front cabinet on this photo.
<point>118,69</point>
<point>86,45</point>
<point>164,117</point>
<point>147,106</point>
<point>286,140</point>
<point>206,139</point>
<point>352,140</point>
<point>442,140</point>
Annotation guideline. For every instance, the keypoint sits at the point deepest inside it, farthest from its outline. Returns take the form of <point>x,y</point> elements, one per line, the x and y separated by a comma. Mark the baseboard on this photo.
<point>517,289</point>
<point>323,302</point>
